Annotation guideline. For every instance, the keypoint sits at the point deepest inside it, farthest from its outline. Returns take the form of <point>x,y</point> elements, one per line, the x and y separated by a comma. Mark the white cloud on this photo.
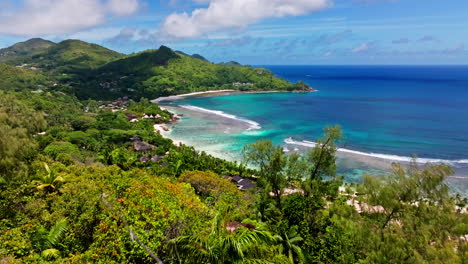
<point>96,34</point>
<point>361,48</point>
<point>123,7</point>
<point>227,14</point>
<point>48,17</point>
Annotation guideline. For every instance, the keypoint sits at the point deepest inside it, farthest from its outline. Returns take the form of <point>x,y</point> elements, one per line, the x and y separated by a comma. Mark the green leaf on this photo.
<point>50,254</point>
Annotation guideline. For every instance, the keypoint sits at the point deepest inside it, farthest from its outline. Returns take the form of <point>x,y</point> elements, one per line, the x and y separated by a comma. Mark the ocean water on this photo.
<point>387,113</point>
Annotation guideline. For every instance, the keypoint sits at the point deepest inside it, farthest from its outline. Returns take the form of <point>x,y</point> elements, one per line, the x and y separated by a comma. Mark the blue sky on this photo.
<point>255,31</point>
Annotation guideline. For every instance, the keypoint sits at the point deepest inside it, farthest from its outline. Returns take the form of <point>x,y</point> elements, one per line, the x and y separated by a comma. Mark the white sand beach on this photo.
<point>182,96</point>
<point>215,92</point>
<point>162,129</point>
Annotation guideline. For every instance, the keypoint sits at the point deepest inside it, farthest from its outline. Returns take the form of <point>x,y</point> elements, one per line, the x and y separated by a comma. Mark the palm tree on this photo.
<point>50,181</point>
<point>288,245</point>
<point>222,246</point>
<point>49,241</point>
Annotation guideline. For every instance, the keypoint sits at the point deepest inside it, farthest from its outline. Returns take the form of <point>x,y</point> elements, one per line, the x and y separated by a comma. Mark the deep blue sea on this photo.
<point>387,113</point>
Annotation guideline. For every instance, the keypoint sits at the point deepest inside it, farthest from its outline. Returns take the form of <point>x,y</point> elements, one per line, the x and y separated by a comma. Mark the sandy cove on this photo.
<point>182,96</point>
<point>216,93</point>
<point>162,130</point>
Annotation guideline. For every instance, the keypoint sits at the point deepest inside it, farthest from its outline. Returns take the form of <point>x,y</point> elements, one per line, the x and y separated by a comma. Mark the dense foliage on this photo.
<point>82,183</point>
<point>91,71</point>
<point>20,79</point>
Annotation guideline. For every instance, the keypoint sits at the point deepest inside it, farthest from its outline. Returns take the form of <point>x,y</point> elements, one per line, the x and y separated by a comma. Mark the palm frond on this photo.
<point>190,247</point>
<point>44,186</point>
<point>47,167</point>
<point>299,253</point>
<point>294,240</point>
<point>50,254</point>
<point>59,179</point>
<point>56,232</point>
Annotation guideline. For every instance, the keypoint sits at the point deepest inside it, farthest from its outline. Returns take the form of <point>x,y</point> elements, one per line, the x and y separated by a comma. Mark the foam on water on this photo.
<point>252,124</point>
<point>389,157</point>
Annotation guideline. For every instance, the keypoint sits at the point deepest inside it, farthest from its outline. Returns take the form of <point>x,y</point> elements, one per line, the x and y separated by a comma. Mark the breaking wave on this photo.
<point>310,144</point>
<point>252,124</point>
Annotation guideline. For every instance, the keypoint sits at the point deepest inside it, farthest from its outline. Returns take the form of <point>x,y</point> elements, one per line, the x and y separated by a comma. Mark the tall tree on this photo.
<point>416,218</point>
<point>323,161</point>
<point>272,161</point>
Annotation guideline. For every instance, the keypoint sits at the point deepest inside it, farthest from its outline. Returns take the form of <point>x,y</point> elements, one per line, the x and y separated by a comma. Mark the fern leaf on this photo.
<point>56,232</point>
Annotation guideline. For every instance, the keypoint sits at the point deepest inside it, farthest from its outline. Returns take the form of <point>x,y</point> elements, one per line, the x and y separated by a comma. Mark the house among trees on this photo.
<point>139,145</point>
<point>243,184</point>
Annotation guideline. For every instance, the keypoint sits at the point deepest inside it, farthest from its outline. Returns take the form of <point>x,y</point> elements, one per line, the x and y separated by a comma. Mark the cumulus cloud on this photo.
<point>123,8</point>
<point>132,37</point>
<point>226,14</point>
<point>47,17</point>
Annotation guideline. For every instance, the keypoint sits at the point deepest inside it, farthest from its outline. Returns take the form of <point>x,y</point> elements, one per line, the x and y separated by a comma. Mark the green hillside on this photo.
<point>92,71</point>
<point>164,72</point>
<point>230,63</point>
<point>25,48</point>
<point>19,79</point>
<point>200,57</point>
<point>69,56</point>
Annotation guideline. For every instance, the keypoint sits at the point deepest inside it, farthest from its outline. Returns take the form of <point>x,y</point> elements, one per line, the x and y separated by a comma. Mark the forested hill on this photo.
<point>92,71</point>
<point>66,57</point>
<point>24,48</point>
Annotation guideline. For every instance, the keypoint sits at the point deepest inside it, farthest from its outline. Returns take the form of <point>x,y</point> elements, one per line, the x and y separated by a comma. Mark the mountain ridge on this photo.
<point>25,47</point>
<point>93,71</point>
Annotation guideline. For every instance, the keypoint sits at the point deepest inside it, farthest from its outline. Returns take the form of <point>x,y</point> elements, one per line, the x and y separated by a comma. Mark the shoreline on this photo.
<point>387,158</point>
<point>162,129</point>
<point>219,93</point>
<point>353,163</point>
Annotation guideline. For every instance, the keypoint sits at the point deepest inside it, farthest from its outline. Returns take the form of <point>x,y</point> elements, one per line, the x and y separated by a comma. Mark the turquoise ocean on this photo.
<point>387,113</point>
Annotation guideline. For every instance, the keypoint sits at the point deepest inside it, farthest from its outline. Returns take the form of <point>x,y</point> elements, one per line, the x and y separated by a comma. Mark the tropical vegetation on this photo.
<point>84,183</point>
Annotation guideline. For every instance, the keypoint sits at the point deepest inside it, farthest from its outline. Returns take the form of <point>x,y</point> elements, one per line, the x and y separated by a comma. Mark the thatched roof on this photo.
<point>142,146</point>
<point>243,184</point>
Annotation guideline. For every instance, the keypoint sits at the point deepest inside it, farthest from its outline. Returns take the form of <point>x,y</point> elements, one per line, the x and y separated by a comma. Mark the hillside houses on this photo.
<point>119,104</point>
<point>239,84</point>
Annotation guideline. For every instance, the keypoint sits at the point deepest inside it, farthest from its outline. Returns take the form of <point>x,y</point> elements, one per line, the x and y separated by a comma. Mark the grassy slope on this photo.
<point>17,79</point>
<point>92,71</point>
<point>163,72</point>
<point>68,56</point>
<point>24,48</point>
